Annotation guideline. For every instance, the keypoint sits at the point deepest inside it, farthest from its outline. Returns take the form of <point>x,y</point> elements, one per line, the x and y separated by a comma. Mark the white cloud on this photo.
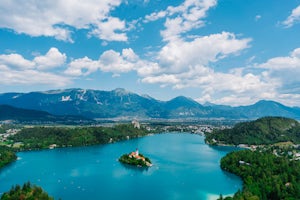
<point>155,16</point>
<point>129,55</point>
<point>284,70</point>
<point>106,30</point>
<point>82,67</point>
<point>15,69</point>
<point>55,18</point>
<point>109,61</point>
<point>53,58</point>
<point>162,79</point>
<point>275,80</point>
<point>178,55</point>
<point>31,77</point>
<point>236,89</point>
<point>282,63</point>
<point>112,61</point>
<point>183,18</point>
<point>146,69</point>
<point>16,61</point>
<point>293,18</point>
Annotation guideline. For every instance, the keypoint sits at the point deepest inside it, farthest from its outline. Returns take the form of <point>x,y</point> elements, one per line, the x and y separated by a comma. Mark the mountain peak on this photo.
<point>182,98</point>
<point>266,101</point>
<point>121,91</point>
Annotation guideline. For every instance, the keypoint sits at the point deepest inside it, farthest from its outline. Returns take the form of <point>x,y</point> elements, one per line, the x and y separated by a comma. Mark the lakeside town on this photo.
<point>284,149</point>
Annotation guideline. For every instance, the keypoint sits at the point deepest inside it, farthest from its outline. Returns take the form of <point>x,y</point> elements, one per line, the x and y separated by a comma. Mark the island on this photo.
<point>136,159</point>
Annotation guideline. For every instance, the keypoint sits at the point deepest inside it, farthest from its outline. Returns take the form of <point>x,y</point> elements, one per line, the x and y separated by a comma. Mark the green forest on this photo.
<point>266,130</point>
<point>26,192</point>
<point>7,155</point>
<point>265,175</point>
<point>43,137</point>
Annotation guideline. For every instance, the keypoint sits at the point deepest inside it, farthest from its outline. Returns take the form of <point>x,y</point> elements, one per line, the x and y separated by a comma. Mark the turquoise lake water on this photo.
<point>185,168</point>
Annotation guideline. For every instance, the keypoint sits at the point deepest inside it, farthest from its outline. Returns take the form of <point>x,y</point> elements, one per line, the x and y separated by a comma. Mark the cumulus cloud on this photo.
<point>106,30</point>
<point>284,70</point>
<point>82,67</point>
<point>180,55</point>
<point>55,18</point>
<point>274,80</point>
<point>53,58</point>
<point>16,61</point>
<point>290,62</point>
<point>182,18</point>
<point>109,61</point>
<point>112,61</point>
<point>15,69</point>
<point>293,18</point>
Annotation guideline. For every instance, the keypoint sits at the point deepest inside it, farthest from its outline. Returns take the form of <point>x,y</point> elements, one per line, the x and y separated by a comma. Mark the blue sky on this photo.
<point>228,52</point>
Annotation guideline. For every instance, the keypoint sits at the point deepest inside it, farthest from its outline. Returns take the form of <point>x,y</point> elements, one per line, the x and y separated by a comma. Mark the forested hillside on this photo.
<point>43,137</point>
<point>265,175</point>
<point>7,155</point>
<point>266,130</point>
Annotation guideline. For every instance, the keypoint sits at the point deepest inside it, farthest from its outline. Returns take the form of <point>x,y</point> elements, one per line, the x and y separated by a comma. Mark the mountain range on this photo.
<point>122,104</point>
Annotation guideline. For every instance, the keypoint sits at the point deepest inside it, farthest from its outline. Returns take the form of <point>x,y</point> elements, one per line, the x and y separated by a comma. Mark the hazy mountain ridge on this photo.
<point>122,103</point>
<point>28,115</point>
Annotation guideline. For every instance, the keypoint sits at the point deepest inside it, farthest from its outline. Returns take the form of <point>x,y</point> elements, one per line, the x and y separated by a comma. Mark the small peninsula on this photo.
<point>136,159</point>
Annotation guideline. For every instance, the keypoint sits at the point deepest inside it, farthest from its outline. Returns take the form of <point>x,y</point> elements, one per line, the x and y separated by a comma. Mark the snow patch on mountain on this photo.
<point>66,98</point>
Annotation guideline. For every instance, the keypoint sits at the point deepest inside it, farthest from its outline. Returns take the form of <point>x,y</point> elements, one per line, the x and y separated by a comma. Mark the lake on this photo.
<point>184,167</point>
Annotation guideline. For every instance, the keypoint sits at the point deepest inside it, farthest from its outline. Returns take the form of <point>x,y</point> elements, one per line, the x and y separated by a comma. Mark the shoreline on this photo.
<point>209,196</point>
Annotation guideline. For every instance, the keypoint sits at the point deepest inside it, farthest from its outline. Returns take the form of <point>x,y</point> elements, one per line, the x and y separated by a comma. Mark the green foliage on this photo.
<point>43,137</point>
<point>265,176</point>
<point>7,155</point>
<point>27,192</point>
<point>267,130</point>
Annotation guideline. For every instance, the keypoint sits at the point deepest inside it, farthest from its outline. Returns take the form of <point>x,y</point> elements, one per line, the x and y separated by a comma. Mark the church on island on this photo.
<point>135,154</point>
<point>135,158</point>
